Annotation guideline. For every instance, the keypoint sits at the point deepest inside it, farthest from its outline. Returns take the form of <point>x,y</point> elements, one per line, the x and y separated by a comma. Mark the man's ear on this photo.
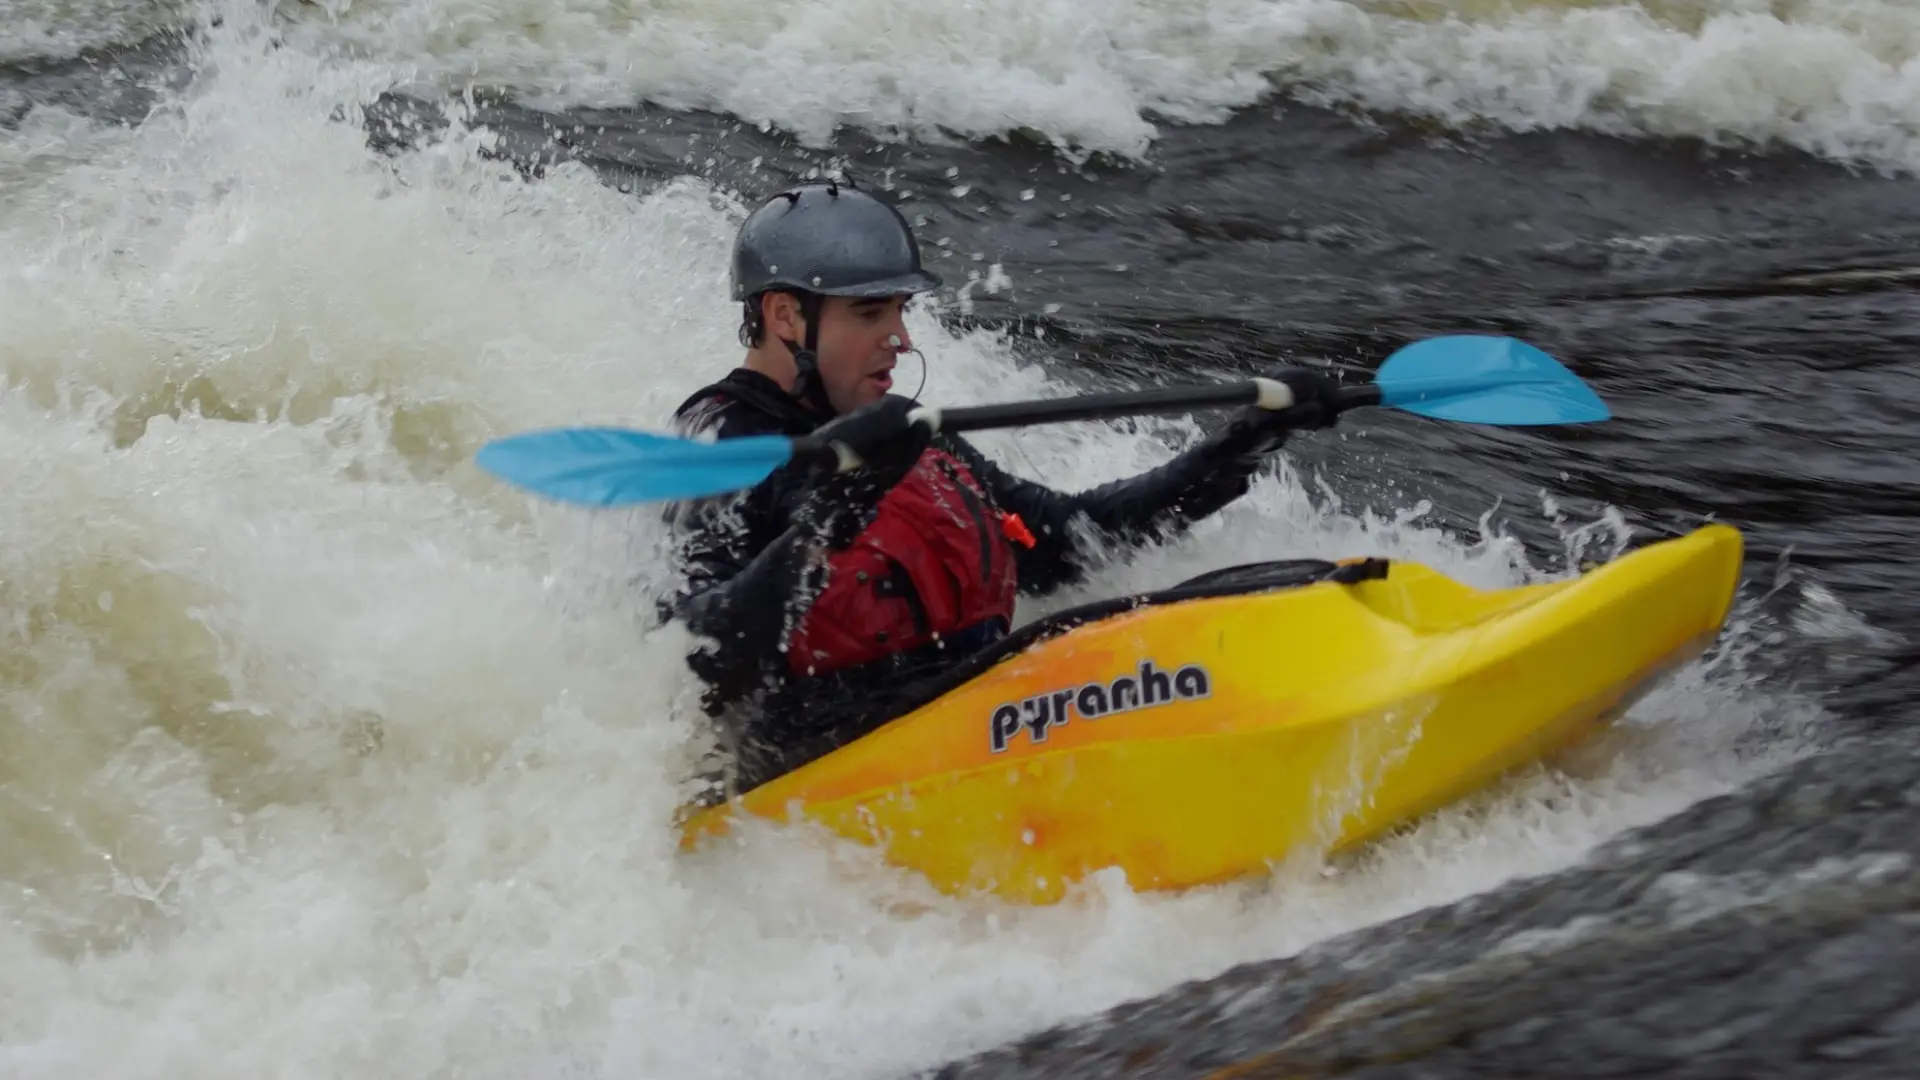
<point>782,316</point>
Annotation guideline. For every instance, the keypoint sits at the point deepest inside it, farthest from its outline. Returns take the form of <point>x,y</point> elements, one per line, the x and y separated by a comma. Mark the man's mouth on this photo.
<point>883,378</point>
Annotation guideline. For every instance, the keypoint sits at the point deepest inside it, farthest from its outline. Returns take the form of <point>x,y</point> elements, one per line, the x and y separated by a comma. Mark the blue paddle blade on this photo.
<point>602,466</point>
<point>1486,380</point>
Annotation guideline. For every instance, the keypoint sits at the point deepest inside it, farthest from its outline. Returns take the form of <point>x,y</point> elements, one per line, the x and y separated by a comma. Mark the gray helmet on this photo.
<point>830,240</point>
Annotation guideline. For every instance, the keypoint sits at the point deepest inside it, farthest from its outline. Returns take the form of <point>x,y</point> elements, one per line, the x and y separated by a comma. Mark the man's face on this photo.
<point>860,341</point>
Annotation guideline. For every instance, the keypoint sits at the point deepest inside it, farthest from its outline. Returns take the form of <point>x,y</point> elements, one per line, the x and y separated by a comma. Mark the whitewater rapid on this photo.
<point>323,754</point>
<point>1833,77</point>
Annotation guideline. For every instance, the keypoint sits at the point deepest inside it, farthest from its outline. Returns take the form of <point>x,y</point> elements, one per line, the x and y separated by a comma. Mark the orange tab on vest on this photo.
<point>1015,529</point>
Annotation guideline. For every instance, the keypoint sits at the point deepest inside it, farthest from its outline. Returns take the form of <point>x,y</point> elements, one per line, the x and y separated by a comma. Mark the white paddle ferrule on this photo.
<point>846,459</point>
<point>925,414</point>
<point>1274,394</point>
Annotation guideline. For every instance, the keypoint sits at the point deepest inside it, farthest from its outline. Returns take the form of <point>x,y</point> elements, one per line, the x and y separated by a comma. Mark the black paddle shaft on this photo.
<point>1108,406</point>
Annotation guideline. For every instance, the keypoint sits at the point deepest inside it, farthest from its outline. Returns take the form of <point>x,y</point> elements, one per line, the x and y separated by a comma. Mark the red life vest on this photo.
<point>935,559</point>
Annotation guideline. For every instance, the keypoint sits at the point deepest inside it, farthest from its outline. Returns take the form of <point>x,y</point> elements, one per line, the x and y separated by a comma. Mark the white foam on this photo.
<point>321,754</point>
<point>1836,77</point>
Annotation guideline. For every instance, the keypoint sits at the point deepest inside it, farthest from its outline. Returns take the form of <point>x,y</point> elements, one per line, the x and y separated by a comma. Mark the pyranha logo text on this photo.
<point>1094,700</point>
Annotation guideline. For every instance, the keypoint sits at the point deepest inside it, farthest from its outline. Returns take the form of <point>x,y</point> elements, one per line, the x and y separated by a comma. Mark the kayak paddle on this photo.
<point>1465,378</point>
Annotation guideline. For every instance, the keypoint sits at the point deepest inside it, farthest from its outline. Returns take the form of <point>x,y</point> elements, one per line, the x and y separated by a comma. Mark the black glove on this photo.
<point>1316,400</point>
<point>1256,431</point>
<point>887,442</point>
<point>839,504</point>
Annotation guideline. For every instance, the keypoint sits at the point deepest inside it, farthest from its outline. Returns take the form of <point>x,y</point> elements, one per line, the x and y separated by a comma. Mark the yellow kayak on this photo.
<point>1201,735</point>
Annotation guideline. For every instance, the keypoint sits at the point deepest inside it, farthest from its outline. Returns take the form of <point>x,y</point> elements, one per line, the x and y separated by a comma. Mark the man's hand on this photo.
<point>838,505</point>
<point>886,441</point>
<point>1256,431</point>
<point>1316,401</point>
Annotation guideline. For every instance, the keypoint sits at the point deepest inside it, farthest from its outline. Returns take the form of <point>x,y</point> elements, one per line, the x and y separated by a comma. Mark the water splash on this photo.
<point>1832,77</point>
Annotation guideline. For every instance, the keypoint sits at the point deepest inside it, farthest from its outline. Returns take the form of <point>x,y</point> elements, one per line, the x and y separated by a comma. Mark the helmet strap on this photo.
<point>806,358</point>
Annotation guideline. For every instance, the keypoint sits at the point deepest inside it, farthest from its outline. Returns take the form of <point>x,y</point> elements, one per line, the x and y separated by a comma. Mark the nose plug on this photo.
<point>901,347</point>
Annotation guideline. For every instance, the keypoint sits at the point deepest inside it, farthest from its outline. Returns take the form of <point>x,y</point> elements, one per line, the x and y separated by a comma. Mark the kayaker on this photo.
<point>814,592</point>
